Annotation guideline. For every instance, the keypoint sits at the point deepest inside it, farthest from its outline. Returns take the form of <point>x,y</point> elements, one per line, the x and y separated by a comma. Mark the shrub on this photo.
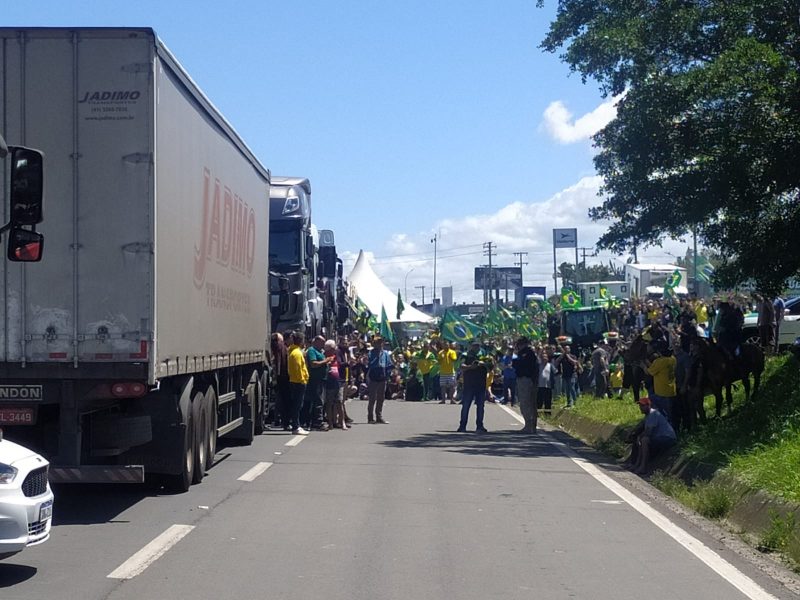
<point>776,537</point>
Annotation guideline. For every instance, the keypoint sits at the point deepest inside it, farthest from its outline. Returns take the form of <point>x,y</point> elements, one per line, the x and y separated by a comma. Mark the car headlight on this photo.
<point>7,473</point>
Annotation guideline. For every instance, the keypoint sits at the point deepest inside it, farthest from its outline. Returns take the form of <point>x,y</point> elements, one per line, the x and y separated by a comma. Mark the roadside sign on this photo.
<point>565,238</point>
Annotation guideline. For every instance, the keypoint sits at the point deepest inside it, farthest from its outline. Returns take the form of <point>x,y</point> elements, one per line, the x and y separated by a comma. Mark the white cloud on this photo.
<point>559,123</point>
<point>407,259</point>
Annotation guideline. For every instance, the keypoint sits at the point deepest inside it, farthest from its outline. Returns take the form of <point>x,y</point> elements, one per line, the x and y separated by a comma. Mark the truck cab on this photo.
<point>293,257</point>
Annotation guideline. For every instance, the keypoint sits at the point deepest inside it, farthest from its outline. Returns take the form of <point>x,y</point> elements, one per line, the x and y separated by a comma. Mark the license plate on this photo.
<point>46,510</point>
<point>18,416</point>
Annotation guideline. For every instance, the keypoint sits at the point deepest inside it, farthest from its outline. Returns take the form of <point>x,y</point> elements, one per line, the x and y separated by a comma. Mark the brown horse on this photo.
<point>720,370</point>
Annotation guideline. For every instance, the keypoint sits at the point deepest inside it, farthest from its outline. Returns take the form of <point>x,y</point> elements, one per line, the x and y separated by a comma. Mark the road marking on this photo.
<point>255,471</point>
<point>296,440</point>
<point>145,557</point>
<point>607,502</point>
<point>719,565</point>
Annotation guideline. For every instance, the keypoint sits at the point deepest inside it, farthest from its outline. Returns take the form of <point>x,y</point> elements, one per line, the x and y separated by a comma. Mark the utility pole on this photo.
<point>434,241</point>
<point>520,263</point>
<point>488,250</point>
<point>421,287</point>
<point>577,266</point>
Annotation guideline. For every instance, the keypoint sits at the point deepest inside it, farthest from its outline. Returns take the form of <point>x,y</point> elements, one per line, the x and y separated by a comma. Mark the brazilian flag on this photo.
<point>673,280</point>
<point>604,292</point>
<point>569,299</point>
<point>456,329</point>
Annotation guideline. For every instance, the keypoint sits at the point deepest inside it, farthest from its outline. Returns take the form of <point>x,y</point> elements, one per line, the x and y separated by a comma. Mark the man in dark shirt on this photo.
<point>475,371</point>
<point>527,370</point>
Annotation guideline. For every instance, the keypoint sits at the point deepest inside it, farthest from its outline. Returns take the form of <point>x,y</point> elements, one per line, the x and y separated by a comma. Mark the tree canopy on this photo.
<point>707,132</point>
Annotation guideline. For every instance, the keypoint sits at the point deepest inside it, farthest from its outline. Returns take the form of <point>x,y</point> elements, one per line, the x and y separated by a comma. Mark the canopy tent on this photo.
<point>372,292</point>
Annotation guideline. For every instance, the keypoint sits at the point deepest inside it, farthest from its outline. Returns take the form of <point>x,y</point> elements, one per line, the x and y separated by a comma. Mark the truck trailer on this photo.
<point>141,337</point>
<point>647,280</point>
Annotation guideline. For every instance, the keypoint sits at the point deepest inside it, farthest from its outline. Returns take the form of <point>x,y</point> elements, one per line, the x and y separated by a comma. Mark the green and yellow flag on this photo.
<point>455,329</point>
<point>569,299</point>
<point>386,329</point>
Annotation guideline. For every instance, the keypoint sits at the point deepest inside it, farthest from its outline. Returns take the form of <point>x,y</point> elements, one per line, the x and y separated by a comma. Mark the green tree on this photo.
<point>707,133</point>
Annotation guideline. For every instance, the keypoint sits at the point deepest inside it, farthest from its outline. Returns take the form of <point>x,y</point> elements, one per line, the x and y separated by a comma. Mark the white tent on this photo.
<point>372,292</point>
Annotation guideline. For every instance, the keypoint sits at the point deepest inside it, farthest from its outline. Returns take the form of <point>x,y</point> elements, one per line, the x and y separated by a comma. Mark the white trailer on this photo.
<point>141,336</point>
<point>647,280</point>
<point>589,291</point>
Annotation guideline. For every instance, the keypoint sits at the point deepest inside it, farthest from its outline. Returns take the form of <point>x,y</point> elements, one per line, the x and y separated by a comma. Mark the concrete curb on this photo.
<point>753,509</point>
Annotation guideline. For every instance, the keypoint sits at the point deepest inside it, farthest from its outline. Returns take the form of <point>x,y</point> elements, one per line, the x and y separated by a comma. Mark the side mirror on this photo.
<point>25,245</point>
<point>27,183</point>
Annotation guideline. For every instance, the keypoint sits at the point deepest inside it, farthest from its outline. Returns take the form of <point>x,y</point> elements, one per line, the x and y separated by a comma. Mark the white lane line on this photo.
<point>150,553</point>
<point>719,565</point>
<point>296,440</point>
<point>255,471</point>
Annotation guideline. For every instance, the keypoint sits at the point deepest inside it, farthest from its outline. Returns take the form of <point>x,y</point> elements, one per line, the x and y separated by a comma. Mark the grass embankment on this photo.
<point>758,444</point>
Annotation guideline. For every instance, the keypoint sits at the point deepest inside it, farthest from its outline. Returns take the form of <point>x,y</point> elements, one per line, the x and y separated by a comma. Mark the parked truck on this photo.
<point>142,336</point>
<point>294,258</point>
<point>647,280</point>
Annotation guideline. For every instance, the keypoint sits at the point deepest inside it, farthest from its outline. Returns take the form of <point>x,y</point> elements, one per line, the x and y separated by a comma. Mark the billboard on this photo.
<point>502,277</point>
<point>565,238</point>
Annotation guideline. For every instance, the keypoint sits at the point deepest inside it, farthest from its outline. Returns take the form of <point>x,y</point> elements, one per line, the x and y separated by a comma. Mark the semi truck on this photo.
<point>141,337</point>
<point>294,258</point>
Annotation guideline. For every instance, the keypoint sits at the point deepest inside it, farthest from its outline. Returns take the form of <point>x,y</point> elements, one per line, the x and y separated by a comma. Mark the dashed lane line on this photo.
<point>296,440</point>
<point>719,565</point>
<point>255,471</point>
<point>145,557</point>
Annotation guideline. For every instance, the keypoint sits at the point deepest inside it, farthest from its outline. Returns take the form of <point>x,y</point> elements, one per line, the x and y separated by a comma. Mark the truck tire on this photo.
<point>200,418</point>
<point>181,482</point>
<point>213,423</point>
<point>261,407</point>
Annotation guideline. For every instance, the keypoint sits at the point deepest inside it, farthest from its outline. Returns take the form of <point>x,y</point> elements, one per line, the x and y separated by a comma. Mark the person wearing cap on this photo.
<point>474,372</point>
<point>651,436</point>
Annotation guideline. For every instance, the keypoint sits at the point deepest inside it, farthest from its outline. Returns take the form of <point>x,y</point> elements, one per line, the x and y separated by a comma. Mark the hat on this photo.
<point>564,339</point>
<point>644,401</point>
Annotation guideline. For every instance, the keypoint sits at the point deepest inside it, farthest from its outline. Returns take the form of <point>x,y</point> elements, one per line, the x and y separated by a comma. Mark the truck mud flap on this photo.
<point>97,474</point>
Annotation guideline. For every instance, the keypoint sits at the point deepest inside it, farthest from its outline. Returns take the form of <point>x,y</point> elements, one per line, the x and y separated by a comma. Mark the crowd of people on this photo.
<point>315,379</point>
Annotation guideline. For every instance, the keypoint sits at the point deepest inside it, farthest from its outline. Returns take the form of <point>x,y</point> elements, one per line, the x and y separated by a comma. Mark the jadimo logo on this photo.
<point>228,234</point>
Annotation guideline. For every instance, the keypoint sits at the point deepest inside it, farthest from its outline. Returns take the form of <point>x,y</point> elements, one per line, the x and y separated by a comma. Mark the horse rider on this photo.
<point>728,329</point>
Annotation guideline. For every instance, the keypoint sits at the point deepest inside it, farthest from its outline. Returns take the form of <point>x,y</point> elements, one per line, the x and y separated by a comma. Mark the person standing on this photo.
<point>280,360</point>
<point>544,391</point>
<point>766,322</point>
<point>569,378</point>
<point>379,367</point>
<point>447,358</point>
<point>312,413</point>
<point>509,378</point>
<point>526,369</point>
<point>334,388</point>
<point>779,306</point>
<point>425,360</point>
<point>662,369</point>
<point>600,370</point>
<point>474,372</point>
<point>298,379</point>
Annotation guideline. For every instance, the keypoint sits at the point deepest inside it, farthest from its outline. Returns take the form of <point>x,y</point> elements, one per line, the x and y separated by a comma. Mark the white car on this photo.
<point>26,500</point>
<point>790,327</point>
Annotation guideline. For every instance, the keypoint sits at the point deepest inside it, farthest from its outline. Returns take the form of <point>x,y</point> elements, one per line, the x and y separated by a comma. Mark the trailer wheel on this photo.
<point>200,418</point>
<point>261,407</point>
<point>182,481</point>
<point>213,424</point>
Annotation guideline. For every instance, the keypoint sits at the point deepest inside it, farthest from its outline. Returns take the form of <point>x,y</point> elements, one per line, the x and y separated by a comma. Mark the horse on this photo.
<point>720,370</point>
<point>633,356</point>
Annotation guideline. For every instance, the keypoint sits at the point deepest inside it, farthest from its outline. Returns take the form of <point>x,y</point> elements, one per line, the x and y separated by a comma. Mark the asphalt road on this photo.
<point>411,509</point>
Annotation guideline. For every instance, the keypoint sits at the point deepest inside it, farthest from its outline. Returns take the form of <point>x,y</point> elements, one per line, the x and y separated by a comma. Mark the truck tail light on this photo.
<point>128,389</point>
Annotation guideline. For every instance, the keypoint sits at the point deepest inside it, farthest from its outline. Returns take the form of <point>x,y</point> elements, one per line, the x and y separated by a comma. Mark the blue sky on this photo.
<point>409,117</point>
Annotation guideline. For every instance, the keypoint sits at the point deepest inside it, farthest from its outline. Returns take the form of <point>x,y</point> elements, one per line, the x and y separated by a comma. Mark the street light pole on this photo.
<point>405,283</point>
<point>434,241</point>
